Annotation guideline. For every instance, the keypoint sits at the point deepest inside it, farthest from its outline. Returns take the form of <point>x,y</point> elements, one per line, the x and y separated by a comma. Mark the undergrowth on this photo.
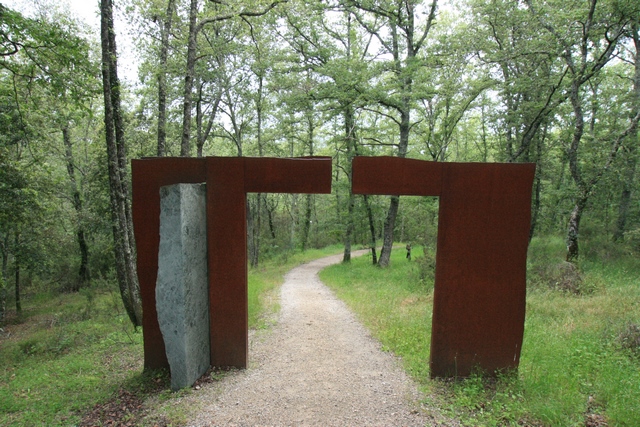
<point>65,353</point>
<point>71,356</point>
<point>579,364</point>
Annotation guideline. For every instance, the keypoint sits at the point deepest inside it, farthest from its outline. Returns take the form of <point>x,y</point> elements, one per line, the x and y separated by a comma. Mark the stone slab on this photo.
<point>182,285</point>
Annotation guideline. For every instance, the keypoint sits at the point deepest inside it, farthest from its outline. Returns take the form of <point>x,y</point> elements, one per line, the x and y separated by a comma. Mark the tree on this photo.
<point>18,205</point>
<point>117,165</point>
<point>402,33</point>
<point>83,273</point>
<point>222,11</point>
<point>526,65</point>
<point>45,75</point>
<point>162,77</point>
<point>332,52</point>
<point>585,52</point>
<point>631,146</point>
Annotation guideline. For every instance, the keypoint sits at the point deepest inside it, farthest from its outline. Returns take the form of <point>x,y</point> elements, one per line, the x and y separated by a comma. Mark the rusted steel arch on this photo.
<point>479,298</point>
<point>228,180</point>
<point>483,235</point>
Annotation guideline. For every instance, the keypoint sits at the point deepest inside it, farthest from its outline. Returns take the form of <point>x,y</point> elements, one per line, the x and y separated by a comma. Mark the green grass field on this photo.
<point>580,356</point>
<point>69,352</point>
<point>578,361</point>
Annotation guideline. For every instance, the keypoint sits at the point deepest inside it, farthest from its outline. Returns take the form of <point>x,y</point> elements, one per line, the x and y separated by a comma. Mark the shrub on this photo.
<point>566,277</point>
<point>629,338</point>
<point>426,267</point>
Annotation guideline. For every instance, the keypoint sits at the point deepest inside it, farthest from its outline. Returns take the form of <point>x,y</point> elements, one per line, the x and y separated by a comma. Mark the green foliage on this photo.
<point>629,338</point>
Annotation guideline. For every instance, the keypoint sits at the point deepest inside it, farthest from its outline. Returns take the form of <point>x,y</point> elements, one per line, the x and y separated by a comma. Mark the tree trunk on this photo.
<point>631,159</point>
<point>116,161</point>
<point>387,237</point>
<point>257,230</point>
<point>573,227</point>
<point>349,123</point>
<point>4,249</point>
<point>348,235</point>
<point>162,78</point>
<point>83,272</point>
<point>372,230</point>
<point>535,208</point>
<point>185,147</point>
<point>16,262</point>
<point>625,195</point>
<point>272,229</point>
<point>202,132</point>
<point>124,200</point>
<point>573,233</point>
<point>251,235</point>
<point>294,215</point>
<point>392,213</point>
<point>536,204</point>
<point>306,229</point>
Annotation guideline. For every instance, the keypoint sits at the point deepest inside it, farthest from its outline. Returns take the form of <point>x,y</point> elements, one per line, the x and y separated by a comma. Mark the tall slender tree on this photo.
<point>585,52</point>
<point>402,31</point>
<point>165,32</point>
<point>631,147</point>
<point>117,164</point>
<point>222,11</point>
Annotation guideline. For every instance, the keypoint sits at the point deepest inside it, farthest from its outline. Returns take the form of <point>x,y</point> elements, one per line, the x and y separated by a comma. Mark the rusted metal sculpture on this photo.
<point>483,235</point>
<point>479,296</point>
<point>228,181</point>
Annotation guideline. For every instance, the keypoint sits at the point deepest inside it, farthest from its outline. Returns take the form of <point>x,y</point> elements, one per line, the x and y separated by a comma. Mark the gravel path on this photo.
<point>317,367</point>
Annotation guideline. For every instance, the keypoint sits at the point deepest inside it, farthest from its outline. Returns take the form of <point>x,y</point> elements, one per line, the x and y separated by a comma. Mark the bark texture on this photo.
<point>185,147</point>
<point>631,152</point>
<point>165,30</point>
<point>349,122</point>
<point>117,165</point>
<point>83,272</point>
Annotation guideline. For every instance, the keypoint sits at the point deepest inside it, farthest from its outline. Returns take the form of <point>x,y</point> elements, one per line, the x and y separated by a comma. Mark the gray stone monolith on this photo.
<point>182,298</point>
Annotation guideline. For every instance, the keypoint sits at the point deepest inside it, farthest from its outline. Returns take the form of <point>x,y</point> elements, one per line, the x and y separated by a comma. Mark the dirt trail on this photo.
<point>317,367</point>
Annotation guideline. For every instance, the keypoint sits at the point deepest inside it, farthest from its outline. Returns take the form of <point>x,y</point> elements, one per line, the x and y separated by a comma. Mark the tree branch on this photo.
<point>243,14</point>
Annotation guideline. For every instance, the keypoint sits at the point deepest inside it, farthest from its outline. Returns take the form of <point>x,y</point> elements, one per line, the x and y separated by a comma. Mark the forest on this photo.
<point>552,82</point>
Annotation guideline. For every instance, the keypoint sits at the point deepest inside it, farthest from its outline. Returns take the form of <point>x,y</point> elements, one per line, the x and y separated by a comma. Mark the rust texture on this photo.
<point>228,180</point>
<point>483,235</point>
<point>147,176</point>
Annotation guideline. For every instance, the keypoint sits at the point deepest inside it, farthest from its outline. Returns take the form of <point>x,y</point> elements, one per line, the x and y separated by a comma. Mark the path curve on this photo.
<point>317,367</point>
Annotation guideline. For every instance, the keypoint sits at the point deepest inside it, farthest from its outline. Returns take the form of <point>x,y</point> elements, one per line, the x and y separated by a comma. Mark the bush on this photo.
<point>566,277</point>
<point>629,338</point>
<point>633,238</point>
<point>426,268</point>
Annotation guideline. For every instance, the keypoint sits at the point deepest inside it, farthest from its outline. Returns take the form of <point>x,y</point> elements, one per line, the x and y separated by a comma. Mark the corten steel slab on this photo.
<point>147,176</point>
<point>227,247</point>
<point>228,181</point>
<point>483,234</point>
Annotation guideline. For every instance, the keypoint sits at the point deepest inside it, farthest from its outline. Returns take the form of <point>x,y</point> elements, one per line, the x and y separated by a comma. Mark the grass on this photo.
<point>396,309</point>
<point>69,352</point>
<point>61,358</point>
<point>574,362</point>
<point>265,280</point>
